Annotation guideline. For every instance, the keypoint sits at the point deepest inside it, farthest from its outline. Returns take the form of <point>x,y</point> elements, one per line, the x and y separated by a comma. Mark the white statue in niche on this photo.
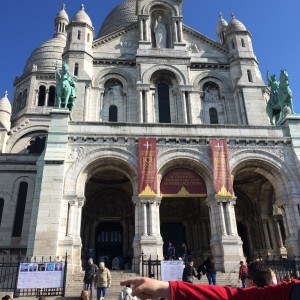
<point>160,32</point>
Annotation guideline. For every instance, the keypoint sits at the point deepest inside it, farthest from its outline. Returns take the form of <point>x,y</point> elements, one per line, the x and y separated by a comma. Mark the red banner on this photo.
<point>147,167</point>
<point>182,183</point>
<point>222,175</point>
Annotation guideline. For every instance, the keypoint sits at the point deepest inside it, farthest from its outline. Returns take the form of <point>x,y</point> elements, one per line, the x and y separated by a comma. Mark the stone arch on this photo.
<point>282,178</point>
<point>18,136</point>
<point>190,158</point>
<point>123,76</point>
<point>148,7</point>
<point>146,77</point>
<point>216,77</point>
<point>84,167</point>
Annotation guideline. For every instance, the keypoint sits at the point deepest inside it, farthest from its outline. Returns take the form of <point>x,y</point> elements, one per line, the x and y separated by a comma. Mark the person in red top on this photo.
<point>243,273</point>
<point>146,288</point>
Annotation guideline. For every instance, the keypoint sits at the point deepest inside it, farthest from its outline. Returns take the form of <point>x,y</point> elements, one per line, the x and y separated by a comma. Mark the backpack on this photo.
<point>296,292</point>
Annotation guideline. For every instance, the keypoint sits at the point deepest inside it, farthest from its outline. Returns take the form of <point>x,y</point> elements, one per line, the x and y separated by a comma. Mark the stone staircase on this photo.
<point>74,287</point>
<point>75,284</point>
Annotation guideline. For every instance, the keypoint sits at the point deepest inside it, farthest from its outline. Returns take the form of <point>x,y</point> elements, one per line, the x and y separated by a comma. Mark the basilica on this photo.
<point>167,139</point>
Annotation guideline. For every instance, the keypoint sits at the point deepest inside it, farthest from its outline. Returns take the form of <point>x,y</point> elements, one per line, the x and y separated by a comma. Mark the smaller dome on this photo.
<point>235,25</point>
<point>62,14</point>
<point>5,104</point>
<point>222,25</point>
<point>46,56</point>
<point>82,17</point>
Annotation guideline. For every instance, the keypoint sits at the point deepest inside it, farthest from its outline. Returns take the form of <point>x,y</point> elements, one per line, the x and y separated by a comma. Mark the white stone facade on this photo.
<point>82,187</point>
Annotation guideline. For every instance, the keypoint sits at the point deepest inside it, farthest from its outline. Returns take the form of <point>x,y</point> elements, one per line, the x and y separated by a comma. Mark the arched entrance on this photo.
<point>183,213</point>
<point>259,220</point>
<point>107,227</point>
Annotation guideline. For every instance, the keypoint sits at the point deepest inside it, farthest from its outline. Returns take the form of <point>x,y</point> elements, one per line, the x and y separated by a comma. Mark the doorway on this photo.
<point>173,232</point>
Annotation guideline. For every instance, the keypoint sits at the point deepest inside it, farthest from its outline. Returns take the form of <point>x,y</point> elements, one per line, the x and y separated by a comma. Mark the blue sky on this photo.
<point>274,25</point>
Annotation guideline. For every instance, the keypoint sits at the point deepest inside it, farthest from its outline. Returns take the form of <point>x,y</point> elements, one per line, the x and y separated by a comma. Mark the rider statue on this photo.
<point>273,84</point>
<point>280,103</point>
<point>65,88</point>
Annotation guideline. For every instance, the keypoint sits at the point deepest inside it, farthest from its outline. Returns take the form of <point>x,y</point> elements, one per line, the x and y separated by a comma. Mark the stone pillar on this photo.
<point>80,204</point>
<point>175,31</point>
<point>71,218</point>
<point>140,107</point>
<point>179,31</point>
<point>100,104</point>
<point>147,107</point>
<point>47,98</point>
<point>147,29</point>
<point>228,245</point>
<point>266,234</point>
<point>184,111</point>
<point>222,218</point>
<point>291,230</point>
<point>141,29</point>
<point>86,106</point>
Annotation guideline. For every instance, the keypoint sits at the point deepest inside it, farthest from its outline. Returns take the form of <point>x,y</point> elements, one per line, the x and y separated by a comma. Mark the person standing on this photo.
<point>171,251</point>
<point>189,272</point>
<point>89,276</point>
<point>243,273</point>
<point>185,254</point>
<point>209,266</point>
<point>102,280</point>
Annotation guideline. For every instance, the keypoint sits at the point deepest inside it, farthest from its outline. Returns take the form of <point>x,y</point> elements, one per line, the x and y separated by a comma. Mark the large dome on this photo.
<point>46,55</point>
<point>120,17</point>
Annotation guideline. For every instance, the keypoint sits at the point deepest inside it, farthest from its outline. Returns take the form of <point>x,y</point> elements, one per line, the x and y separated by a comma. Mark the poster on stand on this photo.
<point>41,275</point>
<point>171,270</point>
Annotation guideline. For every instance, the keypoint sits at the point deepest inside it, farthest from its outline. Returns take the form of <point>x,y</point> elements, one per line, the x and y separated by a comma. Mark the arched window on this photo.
<point>88,37</point>
<point>213,116</point>
<point>1,209</point>
<point>232,44</point>
<point>76,69</point>
<point>24,99</point>
<point>78,34</point>
<point>243,43</point>
<point>20,209</point>
<point>42,95</point>
<point>164,103</point>
<point>51,99</point>
<point>113,114</point>
<point>249,74</point>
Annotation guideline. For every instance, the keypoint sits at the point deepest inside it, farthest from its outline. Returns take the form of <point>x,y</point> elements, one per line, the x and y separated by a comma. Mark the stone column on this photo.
<point>147,29</point>
<point>80,204</point>
<point>180,31</point>
<point>222,218</point>
<point>266,233</point>
<point>100,97</point>
<point>47,98</point>
<point>147,107</point>
<point>141,29</point>
<point>71,218</point>
<point>140,108</point>
<point>145,223</point>
<point>86,106</point>
<point>230,215</point>
<point>175,31</point>
<point>184,112</point>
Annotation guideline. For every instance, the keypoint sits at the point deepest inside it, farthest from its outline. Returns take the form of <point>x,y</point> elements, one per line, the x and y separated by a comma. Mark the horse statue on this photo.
<point>65,88</point>
<point>280,103</point>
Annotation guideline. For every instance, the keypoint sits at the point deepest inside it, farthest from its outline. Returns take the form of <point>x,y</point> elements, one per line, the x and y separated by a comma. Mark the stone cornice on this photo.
<point>208,66</point>
<point>114,62</point>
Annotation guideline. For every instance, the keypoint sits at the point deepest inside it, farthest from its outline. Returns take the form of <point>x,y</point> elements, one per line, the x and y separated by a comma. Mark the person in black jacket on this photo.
<point>210,270</point>
<point>189,272</point>
<point>89,275</point>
